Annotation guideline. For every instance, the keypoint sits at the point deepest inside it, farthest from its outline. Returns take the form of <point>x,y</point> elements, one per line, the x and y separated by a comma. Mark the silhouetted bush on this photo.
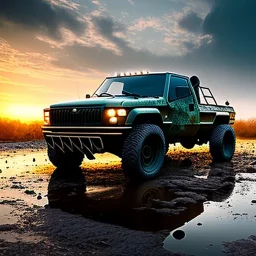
<point>245,128</point>
<point>15,130</point>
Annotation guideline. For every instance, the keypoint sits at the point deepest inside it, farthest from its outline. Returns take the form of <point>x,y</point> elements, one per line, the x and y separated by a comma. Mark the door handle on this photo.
<point>191,107</point>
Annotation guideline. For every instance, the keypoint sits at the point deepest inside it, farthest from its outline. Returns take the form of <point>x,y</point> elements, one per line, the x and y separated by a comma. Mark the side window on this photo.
<point>178,88</point>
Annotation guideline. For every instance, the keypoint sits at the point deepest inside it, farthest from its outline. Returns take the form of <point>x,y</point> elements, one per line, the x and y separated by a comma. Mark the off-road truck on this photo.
<point>136,116</point>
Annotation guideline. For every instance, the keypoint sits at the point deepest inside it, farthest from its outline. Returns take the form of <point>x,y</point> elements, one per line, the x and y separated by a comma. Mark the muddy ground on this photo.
<point>195,207</point>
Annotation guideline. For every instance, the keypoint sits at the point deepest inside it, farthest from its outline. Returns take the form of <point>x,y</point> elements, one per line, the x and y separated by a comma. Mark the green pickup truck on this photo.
<point>136,116</point>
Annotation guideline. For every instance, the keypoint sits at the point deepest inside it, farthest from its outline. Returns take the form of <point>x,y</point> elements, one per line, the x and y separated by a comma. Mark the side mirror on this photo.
<point>87,96</point>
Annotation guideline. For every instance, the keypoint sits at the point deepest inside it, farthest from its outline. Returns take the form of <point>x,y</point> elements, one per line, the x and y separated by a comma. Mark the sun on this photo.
<point>25,113</point>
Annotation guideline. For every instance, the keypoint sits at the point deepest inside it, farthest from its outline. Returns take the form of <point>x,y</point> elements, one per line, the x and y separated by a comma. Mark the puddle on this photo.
<point>13,237</point>
<point>31,196</point>
<point>137,206</point>
<point>6,216</point>
<point>14,165</point>
<point>147,206</point>
<point>230,220</point>
<point>199,228</point>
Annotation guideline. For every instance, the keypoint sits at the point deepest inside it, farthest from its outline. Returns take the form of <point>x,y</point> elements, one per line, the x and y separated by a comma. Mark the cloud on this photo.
<point>131,2</point>
<point>231,24</point>
<point>150,22</point>
<point>37,65</point>
<point>42,15</point>
<point>106,26</point>
<point>191,21</point>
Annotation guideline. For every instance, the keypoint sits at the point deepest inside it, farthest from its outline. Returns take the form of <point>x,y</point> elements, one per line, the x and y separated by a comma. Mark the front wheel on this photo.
<point>222,143</point>
<point>67,159</point>
<point>143,152</point>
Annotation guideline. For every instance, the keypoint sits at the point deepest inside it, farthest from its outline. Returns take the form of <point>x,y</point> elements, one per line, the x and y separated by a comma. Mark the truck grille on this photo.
<point>81,116</point>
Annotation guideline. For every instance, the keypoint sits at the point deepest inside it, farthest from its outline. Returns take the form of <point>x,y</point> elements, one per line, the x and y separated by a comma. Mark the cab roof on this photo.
<point>145,73</point>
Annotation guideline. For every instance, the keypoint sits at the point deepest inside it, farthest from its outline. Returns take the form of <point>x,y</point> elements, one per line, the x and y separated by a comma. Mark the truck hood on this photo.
<point>125,101</point>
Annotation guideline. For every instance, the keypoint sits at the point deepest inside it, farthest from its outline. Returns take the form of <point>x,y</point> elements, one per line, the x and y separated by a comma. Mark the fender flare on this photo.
<point>141,111</point>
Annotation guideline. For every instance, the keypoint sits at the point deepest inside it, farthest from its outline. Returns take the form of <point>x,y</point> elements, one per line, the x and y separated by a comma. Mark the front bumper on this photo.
<point>87,140</point>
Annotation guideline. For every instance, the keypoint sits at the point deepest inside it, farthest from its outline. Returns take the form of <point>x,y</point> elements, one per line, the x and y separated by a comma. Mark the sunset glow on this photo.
<point>67,50</point>
<point>24,113</point>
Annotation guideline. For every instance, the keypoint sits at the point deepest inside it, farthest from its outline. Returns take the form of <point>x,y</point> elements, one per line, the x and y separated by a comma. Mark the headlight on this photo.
<point>113,120</point>
<point>47,116</point>
<point>111,112</point>
<point>121,112</point>
<point>115,116</point>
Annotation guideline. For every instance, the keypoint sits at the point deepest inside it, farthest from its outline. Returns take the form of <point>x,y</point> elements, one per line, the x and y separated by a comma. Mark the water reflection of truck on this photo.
<point>133,206</point>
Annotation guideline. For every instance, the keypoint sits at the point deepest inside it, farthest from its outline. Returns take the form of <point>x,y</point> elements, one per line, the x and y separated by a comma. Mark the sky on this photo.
<point>59,50</point>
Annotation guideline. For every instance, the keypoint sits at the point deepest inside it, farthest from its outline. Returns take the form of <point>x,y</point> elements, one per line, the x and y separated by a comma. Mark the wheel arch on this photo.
<point>221,118</point>
<point>143,116</point>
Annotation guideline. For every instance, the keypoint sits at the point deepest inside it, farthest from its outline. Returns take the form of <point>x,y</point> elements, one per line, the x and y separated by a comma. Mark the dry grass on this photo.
<point>245,128</point>
<point>15,130</point>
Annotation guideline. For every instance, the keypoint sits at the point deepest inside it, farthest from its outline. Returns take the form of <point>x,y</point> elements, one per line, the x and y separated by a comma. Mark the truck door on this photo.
<point>183,111</point>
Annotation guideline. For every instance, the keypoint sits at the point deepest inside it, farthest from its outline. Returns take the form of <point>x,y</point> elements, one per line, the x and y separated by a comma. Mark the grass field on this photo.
<point>245,128</point>
<point>15,130</point>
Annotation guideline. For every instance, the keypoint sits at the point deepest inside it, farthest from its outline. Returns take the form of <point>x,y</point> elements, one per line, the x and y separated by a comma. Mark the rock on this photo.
<point>30,192</point>
<point>254,162</point>
<point>17,187</point>
<point>251,169</point>
<point>254,201</point>
<point>7,227</point>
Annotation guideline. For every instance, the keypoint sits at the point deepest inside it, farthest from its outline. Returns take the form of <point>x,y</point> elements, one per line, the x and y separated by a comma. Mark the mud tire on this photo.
<point>143,152</point>
<point>222,143</point>
<point>69,159</point>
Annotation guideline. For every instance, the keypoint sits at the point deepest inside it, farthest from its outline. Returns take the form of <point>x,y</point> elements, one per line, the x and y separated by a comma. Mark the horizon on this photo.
<point>59,50</point>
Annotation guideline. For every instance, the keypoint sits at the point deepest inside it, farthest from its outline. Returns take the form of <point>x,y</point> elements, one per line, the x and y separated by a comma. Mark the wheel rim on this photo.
<point>228,144</point>
<point>152,149</point>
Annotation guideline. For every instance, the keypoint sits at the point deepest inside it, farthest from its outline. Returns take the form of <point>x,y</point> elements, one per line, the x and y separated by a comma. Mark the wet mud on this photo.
<point>195,207</point>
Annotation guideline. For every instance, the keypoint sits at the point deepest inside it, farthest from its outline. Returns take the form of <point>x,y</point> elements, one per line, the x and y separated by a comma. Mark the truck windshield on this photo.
<point>150,85</point>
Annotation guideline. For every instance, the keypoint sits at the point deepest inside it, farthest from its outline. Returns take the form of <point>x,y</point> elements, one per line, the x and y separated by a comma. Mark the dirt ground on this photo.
<point>95,210</point>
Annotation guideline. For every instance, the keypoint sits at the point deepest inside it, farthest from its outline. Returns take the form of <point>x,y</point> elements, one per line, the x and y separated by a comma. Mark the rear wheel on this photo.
<point>67,159</point>
<point>222,143</point>
<point>143,152</point>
